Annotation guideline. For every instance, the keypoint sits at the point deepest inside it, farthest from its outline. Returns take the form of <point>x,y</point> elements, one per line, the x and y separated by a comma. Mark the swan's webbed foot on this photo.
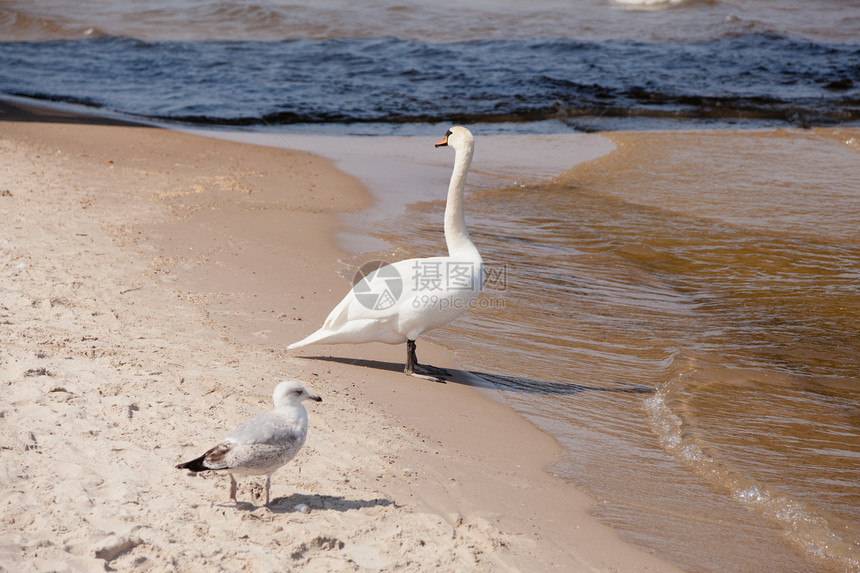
<point>425,371</point>
<point>428,372</point>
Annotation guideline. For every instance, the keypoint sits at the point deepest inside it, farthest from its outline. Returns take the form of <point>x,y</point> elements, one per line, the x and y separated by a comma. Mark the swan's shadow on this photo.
<point>287,504</point>
<point>500,381</point>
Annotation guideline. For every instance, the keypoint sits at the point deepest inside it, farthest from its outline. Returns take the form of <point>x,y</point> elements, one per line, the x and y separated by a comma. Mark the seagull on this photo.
<point>263,444</point>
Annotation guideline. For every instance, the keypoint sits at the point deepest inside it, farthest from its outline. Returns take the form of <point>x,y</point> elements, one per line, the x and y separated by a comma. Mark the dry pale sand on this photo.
<point>150,282</point>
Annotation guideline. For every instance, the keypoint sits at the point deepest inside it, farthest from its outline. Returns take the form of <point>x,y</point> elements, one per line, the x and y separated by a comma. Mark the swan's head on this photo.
<point>457,137</point>
<point>290,392</point>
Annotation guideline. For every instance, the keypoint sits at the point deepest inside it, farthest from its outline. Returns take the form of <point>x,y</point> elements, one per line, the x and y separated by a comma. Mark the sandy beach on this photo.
<point>151,281</point>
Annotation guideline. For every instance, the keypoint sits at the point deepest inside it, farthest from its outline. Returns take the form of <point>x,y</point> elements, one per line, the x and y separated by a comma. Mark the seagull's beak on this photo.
<point>315,398</point>
<point>443,143</point>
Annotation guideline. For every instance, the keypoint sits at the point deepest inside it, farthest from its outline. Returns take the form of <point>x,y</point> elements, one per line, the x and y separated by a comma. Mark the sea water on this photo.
<point>681,314</point>
<point>372,67</point>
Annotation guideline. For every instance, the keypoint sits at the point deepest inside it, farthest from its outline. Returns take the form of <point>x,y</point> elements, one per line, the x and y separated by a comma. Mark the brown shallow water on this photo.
<point>682,316</point>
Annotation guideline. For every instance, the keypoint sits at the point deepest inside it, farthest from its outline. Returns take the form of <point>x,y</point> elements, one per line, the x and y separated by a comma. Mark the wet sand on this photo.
<point>151,282</point>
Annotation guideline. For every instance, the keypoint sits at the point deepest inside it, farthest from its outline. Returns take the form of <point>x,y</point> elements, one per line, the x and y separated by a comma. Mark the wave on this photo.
<point>806,527</point>
<point>650,4</point>
<point>18,25</point>
<point>593,20</point>
<point>757,78</point>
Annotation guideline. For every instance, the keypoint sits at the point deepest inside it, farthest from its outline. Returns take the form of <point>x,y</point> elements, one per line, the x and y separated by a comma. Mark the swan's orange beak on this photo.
<point>444,142</point>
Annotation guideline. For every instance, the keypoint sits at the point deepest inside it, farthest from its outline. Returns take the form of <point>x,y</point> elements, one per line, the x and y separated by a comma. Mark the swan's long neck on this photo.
<point>456,234</point>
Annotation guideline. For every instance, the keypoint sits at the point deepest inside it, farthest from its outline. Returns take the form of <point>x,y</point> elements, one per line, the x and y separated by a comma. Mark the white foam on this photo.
<point>805,528</point>
<point>650,4</point>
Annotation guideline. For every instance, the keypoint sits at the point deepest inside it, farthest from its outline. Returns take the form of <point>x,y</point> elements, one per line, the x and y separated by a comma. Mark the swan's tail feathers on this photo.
<point>336,319</point>
<point>315,337</point>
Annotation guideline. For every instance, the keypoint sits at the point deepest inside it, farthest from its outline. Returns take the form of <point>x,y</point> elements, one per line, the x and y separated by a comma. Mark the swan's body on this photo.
<point>399,302</point>
<point>263,444</point>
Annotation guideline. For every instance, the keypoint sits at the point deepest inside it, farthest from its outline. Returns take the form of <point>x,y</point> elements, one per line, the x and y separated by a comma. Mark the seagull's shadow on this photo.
<point>324,502</point>
<point>287,504</point>
<point>500,381</point>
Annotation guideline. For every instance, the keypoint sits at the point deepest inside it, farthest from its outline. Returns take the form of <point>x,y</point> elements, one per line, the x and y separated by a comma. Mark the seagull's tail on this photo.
<point>195,465</point>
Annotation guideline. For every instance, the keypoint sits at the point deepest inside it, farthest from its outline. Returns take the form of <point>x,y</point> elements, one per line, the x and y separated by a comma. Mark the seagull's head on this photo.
<point>290,392</point>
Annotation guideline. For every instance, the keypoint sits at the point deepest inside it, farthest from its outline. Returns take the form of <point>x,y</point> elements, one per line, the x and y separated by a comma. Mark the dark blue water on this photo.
<point>756,80</point>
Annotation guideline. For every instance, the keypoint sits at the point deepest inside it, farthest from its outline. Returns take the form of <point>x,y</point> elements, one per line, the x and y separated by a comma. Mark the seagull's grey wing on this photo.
<point>216,458</point>
<point>269,428</point>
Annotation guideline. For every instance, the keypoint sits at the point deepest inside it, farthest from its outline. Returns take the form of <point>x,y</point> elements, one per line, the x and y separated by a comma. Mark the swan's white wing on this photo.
<point>366,313</point>
<point>436,291</point>
<point>401,300</point>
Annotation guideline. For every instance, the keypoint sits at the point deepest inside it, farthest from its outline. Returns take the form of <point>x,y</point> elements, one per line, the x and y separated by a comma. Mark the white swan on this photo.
<point>399,302</point>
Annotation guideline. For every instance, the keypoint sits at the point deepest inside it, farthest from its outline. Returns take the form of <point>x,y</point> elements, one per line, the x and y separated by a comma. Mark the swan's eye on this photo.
<point>448,133</point>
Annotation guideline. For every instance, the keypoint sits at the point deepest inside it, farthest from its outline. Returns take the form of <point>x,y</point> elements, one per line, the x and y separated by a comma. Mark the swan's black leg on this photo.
<point>422,370</point>
<point>410,357</point>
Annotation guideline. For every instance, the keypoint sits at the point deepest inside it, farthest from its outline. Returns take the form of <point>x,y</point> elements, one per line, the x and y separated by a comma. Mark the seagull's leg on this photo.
<point>233,486</point>
<point>422,370</point>
<point>268,483</point>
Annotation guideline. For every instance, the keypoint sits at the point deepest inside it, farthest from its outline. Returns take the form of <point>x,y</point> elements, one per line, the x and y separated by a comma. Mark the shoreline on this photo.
<point>403,170</point>
<point>158,291</point>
